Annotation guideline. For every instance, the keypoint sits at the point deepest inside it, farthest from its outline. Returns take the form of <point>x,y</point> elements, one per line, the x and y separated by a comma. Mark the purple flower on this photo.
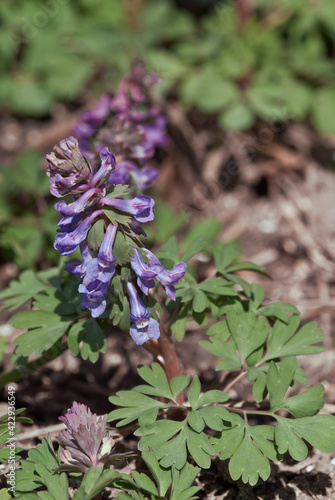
<point>141,207</point>
<point>146,273</point>
<point>90,121</point>
<point>86,439</point>
<point>143,327</point>
<point>68,242</point>
<point>98,273</point>
<point>80,204</point>
<point>107,166</point>
<point>78,267</point>
<point>68,169</point>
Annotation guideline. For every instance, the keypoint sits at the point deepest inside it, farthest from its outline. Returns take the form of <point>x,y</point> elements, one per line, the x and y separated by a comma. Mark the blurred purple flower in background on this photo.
<point>130,124</point>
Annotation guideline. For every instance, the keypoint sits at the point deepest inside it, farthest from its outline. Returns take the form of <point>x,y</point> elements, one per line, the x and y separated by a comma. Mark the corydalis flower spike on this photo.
<point>86,439</point>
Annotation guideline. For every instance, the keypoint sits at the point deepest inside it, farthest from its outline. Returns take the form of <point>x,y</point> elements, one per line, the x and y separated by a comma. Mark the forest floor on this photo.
<point>274,191</point>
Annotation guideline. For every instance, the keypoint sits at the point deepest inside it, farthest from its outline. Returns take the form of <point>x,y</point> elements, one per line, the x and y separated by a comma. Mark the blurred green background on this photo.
<point>273,62</point>
<point>281,62</point>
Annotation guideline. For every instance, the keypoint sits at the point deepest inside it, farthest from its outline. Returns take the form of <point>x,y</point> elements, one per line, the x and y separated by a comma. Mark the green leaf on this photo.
<point>248,332</point>
<point>178,384</point>
<point>285,341</point>
<point>259,389</point>
<point>95,480</point>
<point>4,495</point>
<point>279,379</point>
<point>208,90</point>
<point>226,253</point>
<point>178,327</point>
<point>57,486</point>
<point>91,336</point>
<point>168,440</point>
<point>278,310</point>
<point>237,117</point>
<point>144,482</point>
<point>22,290</point>
<point>44,458</point>
<point>318,430</point>
<point>182,481</point>
<point>62,302</point>
<point>323,110</point>
<point>222,345</point>
<point>122,251</point>
<point>44,331</point>
<point>288,440</point>
<point>199,301</point>
<point>306,404</point>
<point>158,383</point>
<point>249,463</point>
<point>161,475</point>
<point>217,286</point>
<point>169,251</point>
<point>135,406</point>
<point>119,191</point>
<point>248,448</point>
<point>96,235</point>
<point>194,392</point>
<point>208,229</point>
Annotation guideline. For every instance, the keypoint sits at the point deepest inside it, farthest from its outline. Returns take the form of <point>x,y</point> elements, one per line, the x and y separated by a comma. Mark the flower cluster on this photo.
<point>86,440</point>
<point>102,213</point>
<point>130,125</point>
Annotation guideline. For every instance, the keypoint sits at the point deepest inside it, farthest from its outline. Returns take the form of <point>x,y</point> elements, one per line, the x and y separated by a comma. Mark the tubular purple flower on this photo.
<point>98,273</point>
<point>144,177</point>
<point>68,242</point>
<point>143,327</point>
<point>80,204</point>
<point>107,166</point>
<point>141,207</point>
<point>94,297</point>
<point>167,278</point>
<point>78,267</point>
<point>145,272</point>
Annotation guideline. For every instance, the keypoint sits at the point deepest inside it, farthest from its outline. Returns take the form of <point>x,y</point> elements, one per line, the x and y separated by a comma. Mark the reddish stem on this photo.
<point>243,13</point>
<point>165,352</point>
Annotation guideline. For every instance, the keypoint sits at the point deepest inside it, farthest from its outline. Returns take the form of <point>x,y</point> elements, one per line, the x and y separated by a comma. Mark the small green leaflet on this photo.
<point>36,468</point>
<point>285,340</point>
<point>135,406</point>
<point>248,449</point>
<point>94,481</point>
<point>222,345</point>
<point>19,292</point>
<point>318,430</point>
<point>122,250</point>
<point>182,481</point>
<point>248,332</point>
<point>119,191</point>
<point>91,336</point>
<point>44,329</point>
<point>158,384</point>
<point>169,441</point>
